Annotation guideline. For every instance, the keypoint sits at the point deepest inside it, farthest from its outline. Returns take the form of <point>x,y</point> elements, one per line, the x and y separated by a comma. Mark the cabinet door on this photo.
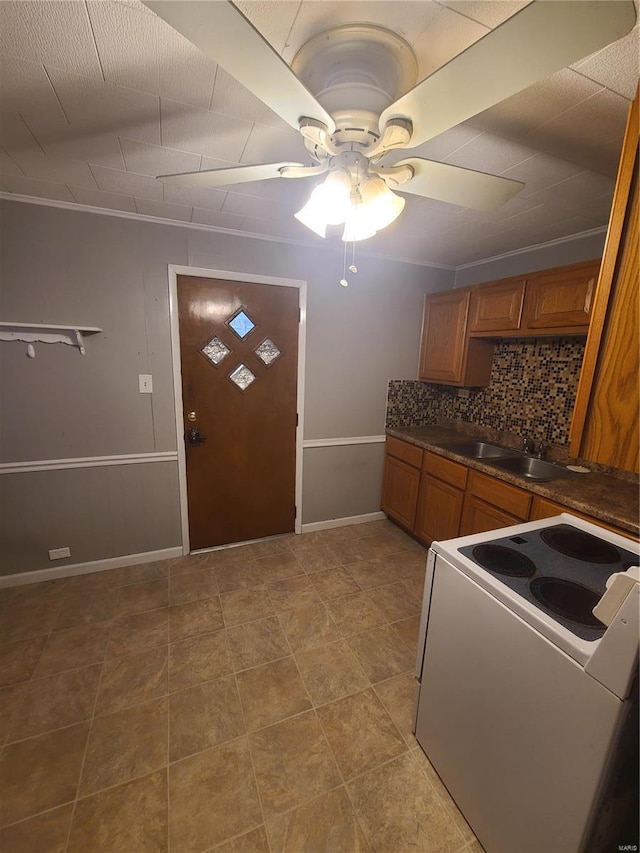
<point>439,510</point>
<point>562,299</point>
<point>479,516</point>
<point>545,508</point>
<point>400,491</point>
<point>497,307</point>
<point>443,335</point>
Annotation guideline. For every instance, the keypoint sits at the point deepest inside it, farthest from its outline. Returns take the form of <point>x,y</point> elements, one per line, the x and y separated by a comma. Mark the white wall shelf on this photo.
<point>31,333</point>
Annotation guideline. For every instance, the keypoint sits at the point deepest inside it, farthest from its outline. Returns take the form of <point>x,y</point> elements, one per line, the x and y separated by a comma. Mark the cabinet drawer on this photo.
<point>408,453</point>
<point>510,498</point>
<point>445,469</point>
<point>478,516</point>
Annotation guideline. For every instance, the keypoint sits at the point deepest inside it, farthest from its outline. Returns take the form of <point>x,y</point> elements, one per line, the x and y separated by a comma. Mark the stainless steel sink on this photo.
<point>531,468</point>
<point>478,449</point>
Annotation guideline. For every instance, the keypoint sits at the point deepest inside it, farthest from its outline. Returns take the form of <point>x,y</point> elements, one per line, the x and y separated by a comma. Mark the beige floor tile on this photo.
<point>399,810</point>
<point>385,543</point>
<point>73,647</point>
<point>131,634</point>
<point>425,765</point>
<point>130,817</point>
<point>19,660</point>
<point>28,617</point>
<point>291,593</point>
<point>271,693</point>
<point>353,550</point>
<point>338,534</point>
<point>408,629</point>
<point>203,716</point>
<point>196,617</point>
<point>330,672</point>
<point>327,823</point>
<point>192,586</point>
<point>408,564</point>
<point>87,608</point>
<point>251,842</point>
<point>395,601</point>
<point>245,605</point>
<point>292,762</point>
<point>308,627</point>
<point>302,541</point>
<point>93,581</point>
<point>317,558</point>
<point>50,591</point>
<point>375,528</point>
<point>382,653</point>
<point>238,575</point>
<point>278,567</point>
<point>218,786</point>
<point>40,773</point>
<point>145,572</point>
<point>334,583</point>
<point>148,595</point>
<point>415,585</point>
<point>198,659</point>
<point>269,547</point>
<point>361,733</point>
<point>398,695</point>
<point>132,680</point>
<point>355,613</point>
<point>11,699</point>
<point>45,833</point>
<point>256,643</point>
<point>371,573</point>
<point>125,745</point>
<point>57,701</point>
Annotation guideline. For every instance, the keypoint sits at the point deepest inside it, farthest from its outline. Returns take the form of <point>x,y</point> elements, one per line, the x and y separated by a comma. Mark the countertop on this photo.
<point>605,497</point>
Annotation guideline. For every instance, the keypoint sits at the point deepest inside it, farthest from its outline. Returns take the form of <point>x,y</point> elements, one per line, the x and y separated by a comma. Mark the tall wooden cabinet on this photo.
<point>605,421</point>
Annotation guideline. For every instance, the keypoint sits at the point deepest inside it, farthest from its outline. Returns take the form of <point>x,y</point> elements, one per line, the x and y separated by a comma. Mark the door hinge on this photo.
<point>295,512</point>
<point>299,315</point>
<point>297,419</point>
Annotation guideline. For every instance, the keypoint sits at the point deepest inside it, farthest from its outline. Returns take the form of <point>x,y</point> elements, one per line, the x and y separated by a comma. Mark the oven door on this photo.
<point>518,732</point>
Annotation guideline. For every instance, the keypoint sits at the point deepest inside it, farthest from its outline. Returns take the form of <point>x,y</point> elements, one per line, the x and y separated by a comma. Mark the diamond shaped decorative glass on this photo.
<point>267,352</point>
<point>216,351</point>
<point>242,377</point>
<point>241,324</point>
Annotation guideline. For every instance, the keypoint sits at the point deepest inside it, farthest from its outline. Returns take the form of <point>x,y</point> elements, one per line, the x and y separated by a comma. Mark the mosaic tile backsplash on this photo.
<point>532,392</point>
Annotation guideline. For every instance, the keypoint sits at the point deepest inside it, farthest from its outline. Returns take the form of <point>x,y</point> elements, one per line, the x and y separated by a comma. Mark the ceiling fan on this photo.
<point>351,92</point>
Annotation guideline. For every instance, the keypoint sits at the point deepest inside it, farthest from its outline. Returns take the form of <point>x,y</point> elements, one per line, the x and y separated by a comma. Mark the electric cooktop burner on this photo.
<point>566,598</point>
<point>560,569</point>
<point>581,545</point>
<point>504,561</point>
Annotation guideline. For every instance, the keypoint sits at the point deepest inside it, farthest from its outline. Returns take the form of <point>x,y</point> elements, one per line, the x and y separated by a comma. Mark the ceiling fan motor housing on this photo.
<point>355,71</point>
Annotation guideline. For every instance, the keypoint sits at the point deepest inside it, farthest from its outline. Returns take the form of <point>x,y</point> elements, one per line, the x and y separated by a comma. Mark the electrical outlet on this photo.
<point>59,553</point>
<point>145,383</point>
<point>463,392</point>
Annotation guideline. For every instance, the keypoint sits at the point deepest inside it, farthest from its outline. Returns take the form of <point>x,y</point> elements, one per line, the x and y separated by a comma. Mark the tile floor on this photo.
<point>250,700</point>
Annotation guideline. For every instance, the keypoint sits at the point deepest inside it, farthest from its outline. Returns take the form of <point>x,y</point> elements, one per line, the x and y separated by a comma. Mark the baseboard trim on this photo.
<point>73,569</point>
<point>342,522</point>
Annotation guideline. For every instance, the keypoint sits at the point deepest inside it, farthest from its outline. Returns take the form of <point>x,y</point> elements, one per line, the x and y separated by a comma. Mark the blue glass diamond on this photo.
<point>241,324</point>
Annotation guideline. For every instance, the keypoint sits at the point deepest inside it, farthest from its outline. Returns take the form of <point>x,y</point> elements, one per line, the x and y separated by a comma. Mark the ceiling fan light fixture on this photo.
<point>329,203</point>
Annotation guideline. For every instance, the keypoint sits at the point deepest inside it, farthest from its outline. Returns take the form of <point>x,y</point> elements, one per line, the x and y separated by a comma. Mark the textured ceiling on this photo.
<point>97,98</point>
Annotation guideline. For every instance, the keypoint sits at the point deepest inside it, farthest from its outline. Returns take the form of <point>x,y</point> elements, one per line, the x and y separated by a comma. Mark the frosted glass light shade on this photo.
<point>328,204</point>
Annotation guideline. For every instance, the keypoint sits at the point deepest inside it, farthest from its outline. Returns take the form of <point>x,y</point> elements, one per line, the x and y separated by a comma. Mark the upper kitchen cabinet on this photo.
<point>560,300</point>
<point>497,306</point>
<point>605,420</point>
<point>447,354</point>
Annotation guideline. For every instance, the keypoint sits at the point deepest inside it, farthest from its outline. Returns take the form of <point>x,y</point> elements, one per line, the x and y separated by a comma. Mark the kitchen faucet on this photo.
<point>528,445</point>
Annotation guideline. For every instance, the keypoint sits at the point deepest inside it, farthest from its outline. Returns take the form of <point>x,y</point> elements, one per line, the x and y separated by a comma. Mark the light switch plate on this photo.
<point>145,383</point>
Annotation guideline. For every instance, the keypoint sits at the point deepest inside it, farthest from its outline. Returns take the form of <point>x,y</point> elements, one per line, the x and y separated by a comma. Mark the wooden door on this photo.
<point>400,491</point>
<point>439,510</point>
<point>239,354</point>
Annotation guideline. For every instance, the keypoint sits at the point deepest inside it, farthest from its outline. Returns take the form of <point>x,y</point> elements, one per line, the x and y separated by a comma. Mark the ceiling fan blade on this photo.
<point>222,32</point>
<point>234,175</point>
<point>539,40</point>
<point>456,185</point>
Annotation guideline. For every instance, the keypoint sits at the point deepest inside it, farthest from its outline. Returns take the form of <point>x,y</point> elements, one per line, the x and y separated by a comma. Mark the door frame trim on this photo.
<point>174,270</point>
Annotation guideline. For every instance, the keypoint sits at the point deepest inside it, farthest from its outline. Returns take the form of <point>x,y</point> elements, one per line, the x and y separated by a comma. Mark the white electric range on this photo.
<point>525,699</point>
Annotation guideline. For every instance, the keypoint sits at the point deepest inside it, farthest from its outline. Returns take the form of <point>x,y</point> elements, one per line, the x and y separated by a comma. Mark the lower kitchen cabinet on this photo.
<point>545,508</point>
<point>440,499</point>
<point>400,491</point>
<point>490,503</point>
<point>479,516</point>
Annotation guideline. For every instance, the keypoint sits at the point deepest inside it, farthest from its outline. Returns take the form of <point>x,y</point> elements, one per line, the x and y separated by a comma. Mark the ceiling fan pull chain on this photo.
<point>343,280</point>
<point>353,268</point>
